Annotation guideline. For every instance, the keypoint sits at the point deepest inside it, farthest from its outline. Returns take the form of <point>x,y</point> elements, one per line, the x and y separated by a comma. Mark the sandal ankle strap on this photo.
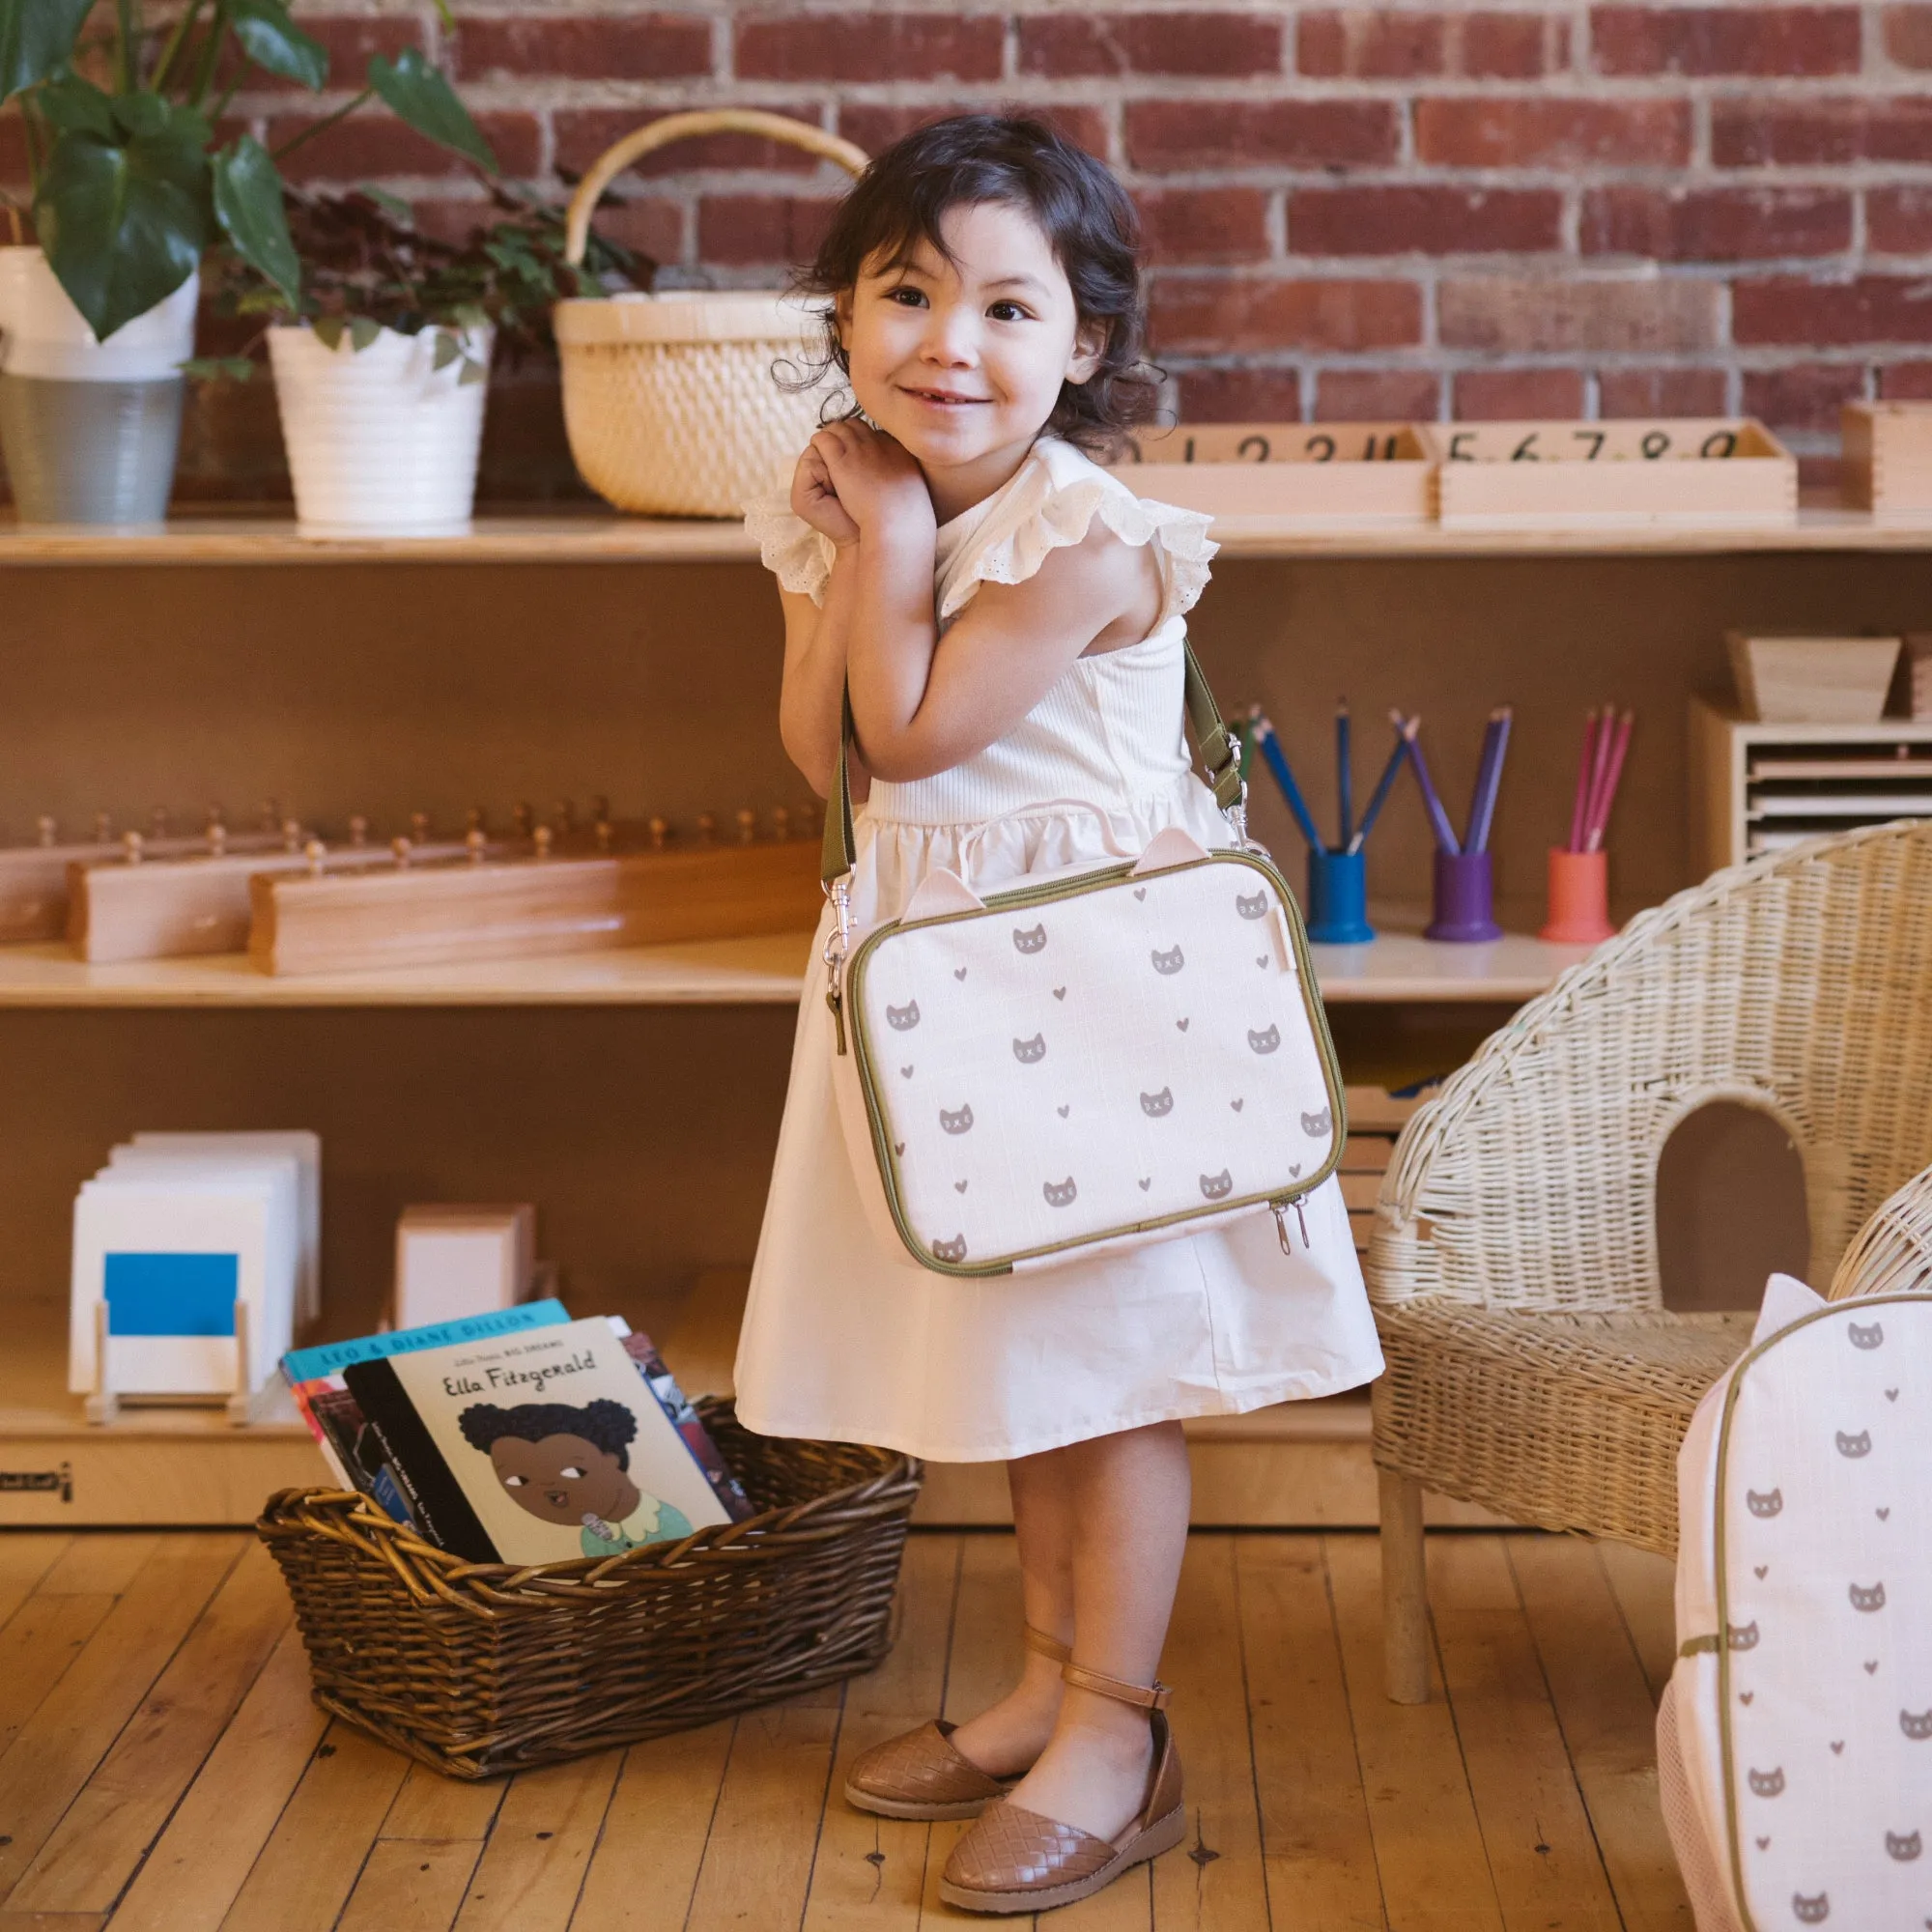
<point>1153,1696</point>
<point>1047,1646</point>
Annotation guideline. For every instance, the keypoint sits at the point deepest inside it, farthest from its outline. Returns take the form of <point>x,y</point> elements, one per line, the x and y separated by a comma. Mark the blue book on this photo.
<point>308,1365</point>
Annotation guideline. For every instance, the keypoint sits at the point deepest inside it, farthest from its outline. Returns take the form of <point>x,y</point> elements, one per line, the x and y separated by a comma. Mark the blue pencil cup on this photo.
<point>1338,897</point>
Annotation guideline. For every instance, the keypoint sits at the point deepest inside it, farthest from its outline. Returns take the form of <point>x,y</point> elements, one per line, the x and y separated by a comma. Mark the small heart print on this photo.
<point>1145,1184</point>
<point>907,1071</point>
<point>1884,1514</point>
<point>960,972</point>
<point>1140,892</point>
<point>1261,959</point>
<point>1892,1395</point>
<point>959,1187</point>
<point>1236,1104</point>
<point>1064,1111</point>
<point>1744,1697</point>
<point>899,1146</point>
<point>1181,1024</point>
<point>1760,1569</point>
<point>1764,1844</point>
<point>1837,1746</point>
<point>1060,992</point>
<point>1871,1667</point>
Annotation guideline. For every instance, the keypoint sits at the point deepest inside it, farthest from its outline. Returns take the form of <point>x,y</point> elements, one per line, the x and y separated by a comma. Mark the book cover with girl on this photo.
<point>1009,619</point>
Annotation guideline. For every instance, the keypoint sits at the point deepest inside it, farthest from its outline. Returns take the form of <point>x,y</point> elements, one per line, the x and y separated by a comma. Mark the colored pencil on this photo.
<point>1383,786</point>
<point>1579,812</point>
<point>1482,779</point>
<point>1445,833</point>
<point>1277,762</point>
<point>1601,817</point>
<point>1599,765</point>
<point>1490,778</point>
<point>1345,778</point>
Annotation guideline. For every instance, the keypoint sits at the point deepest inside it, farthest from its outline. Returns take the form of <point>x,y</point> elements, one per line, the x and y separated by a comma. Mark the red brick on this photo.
<point>875,129</point>
<point>1502,46</point>
<point>1723,225</point>
<point>349,43</point>
<point>647,224</point>
<point>13,153</point>
<point>1225,315</point>
<point>586,46</point>
<point>736,229</point>
<point>374,143</point>
<point>449,220</point>
<point>1540,132</point>
<point>1748,40</point>
<point>1400,220</point>
<point>1748,132</point>
<point>583,133</point>
<point>869,46</point>
<point>1240,395</point>
<point>1802,395</point>
<point>1238,133</point>
<point>1867,309</point>
<point>1370,43</point>
<point>1376,395</point>
<point>1661,392</point>
<point>1505,395</point>
<point>1906,382</point>
<point>1230,44</point>
<point>1222,224</point>
<point>1540,316</point>
<point>1908,36</point>
<point>1898,220</point>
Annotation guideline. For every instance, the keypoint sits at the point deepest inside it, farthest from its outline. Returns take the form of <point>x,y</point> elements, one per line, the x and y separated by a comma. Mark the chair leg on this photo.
<point>1404,1590</point>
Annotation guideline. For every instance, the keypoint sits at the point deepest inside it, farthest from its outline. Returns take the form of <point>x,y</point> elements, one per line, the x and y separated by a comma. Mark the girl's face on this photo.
<point>961,361</point>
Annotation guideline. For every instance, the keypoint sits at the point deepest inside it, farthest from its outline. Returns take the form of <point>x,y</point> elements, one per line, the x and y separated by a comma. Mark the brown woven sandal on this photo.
<point>924,1774</point>
<point>1017,1860</point>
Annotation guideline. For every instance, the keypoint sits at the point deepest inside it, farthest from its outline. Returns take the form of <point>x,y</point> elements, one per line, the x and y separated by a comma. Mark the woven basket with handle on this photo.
<point>481,1669</point>
<point>671,401</point>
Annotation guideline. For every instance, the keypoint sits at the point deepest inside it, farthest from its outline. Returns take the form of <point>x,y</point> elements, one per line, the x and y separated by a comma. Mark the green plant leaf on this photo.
<point>249,203</point>
<point>392,205</point>
<point>328,332</point>
<point>473,372</point>
<point>447,349</point>
<point>37,39</point>
<point>364,330</point>
<point>218,369</point>
<point>78,107</point>
<point>125,220</point>
<point>416,93</point>
<point>272,41</point>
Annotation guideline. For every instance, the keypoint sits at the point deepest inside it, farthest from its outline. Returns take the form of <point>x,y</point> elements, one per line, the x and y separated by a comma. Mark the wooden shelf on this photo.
<point>599,537</point>
<point>1400,966</point>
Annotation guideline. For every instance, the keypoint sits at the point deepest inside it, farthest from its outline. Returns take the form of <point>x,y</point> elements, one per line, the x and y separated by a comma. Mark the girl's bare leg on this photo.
<point>1008,1737</point>
<point>1125,1498</point>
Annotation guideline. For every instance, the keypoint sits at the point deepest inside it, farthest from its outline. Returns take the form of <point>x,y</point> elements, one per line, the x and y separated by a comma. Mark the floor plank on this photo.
<point>1645,1587</point>
<point>870,1871</point>
<point>411,1884</point>
<point>1603,1703</point>
<point>57,1748</point>
<point>201,1860</point>
<point>532,1868</point>
<point>105,1833</point>
<point>40,1643</point>
<point>102,1560</point>
<point>430,1806</point>
<point>1542,1855</point>
<point>25,1557</point>
<point>1428,1851</point>
<point>1318,1852</point>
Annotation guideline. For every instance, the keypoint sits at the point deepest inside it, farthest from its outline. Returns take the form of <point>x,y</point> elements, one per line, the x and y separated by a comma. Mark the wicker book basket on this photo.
<point>670,401</point>
<point>480,1669</point>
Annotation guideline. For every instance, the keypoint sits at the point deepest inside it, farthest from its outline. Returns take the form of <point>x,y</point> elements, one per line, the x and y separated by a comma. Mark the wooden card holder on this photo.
<point>1695,470</point>
<point>1887,450</point>
<point>242,1405</point>
<point>1375,473</point>
<point>434,915</point>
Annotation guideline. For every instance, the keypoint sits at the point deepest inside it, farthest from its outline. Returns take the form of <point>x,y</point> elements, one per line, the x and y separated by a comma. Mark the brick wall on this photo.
<point>1400,209</point>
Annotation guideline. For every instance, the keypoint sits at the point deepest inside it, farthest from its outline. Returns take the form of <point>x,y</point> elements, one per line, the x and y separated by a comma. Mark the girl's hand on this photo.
<point>878,487</point>
<point>815,500</point>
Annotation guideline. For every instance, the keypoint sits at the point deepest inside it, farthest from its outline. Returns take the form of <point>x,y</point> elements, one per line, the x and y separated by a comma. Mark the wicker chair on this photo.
<point>1893,1253</point>
<point>1531,1366</point>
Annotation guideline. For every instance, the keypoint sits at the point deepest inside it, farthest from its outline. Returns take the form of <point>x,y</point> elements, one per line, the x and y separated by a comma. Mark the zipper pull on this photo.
<point>1281,1209</point>
<point>837,1007</point>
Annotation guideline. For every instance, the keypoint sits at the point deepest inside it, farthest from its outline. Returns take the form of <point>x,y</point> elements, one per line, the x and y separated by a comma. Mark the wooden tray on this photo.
<point>1888,459</point>
<point>1315,473</point>
<point>1693,469</point>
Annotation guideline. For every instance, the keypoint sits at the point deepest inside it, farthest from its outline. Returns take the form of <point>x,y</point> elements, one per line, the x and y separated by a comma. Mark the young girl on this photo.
<point>1008,619</point>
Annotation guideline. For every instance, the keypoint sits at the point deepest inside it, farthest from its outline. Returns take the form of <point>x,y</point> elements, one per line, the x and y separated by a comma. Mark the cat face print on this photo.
<point>1854,1445</point>
<point>1904,1846</point>
<point>1314,1126</point>
<point>1218,1186</point>
<point>1916,1724</point>
<point>1252,908</point>
<point>902,1019</point>
<point>960,1122</point>
<point>1872,1599</point>
<point>1810,1911</point>
<point>1768,1504</point>
<point>1871,1337</point>
<point>1027,1051</point>
<point>1030,942</point>
<point>1170,962</point>
<point>1743,1636</point>
<point>953,1250</point>
<point>1059,1193</point>
<point>1264,1042</point>
<point>1767,1784</point>
<point>1158,1106</point>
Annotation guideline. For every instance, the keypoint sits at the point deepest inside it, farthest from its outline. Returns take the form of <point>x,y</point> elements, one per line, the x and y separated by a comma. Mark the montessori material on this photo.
<point>1888,459</point>
<point>1792,1738</point>
<point>453,1262</point>
<point>1316,473</point>
<point>1812,680</point>
<point>1721,471</point>
<point>1095,1059</point>
<point>671,401</point>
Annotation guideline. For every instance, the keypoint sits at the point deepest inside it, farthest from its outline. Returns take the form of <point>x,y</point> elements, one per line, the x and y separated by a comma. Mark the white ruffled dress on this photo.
<point>842,1341</point>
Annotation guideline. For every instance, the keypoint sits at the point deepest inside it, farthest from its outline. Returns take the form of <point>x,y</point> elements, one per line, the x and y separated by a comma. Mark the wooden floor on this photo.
<point>161,1766</point>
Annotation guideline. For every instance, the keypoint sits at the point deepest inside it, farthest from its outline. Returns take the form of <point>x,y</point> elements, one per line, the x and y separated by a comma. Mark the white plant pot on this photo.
<point>381,442</point>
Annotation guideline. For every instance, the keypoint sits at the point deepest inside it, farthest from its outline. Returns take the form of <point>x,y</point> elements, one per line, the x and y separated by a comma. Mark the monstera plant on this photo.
<point>128,185</point>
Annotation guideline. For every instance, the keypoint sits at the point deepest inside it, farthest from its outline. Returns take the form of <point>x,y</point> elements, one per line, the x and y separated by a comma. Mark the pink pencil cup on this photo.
<point>1579,898</point>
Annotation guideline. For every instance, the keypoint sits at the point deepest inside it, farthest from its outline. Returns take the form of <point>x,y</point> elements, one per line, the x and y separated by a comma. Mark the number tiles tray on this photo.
<point>1318,474</point>
<point>1693,469</point>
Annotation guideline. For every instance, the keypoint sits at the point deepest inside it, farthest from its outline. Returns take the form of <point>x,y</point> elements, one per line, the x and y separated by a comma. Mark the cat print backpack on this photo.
<point>1795,1737</point>
<point>1092,1058</point>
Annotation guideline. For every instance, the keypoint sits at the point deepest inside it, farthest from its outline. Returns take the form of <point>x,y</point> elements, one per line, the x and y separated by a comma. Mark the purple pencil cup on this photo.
<point>1464,899</point>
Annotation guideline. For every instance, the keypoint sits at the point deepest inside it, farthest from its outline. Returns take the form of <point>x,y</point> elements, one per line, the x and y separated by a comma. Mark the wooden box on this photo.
<point>1812,680</point>
<point>1918,677</point>
<point>1312,473</point>
<point>1888,458</point>
<point>1693,469</point>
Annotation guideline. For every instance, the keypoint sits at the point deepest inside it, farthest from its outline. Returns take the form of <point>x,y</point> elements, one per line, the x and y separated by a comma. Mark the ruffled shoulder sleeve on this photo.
<point>798,555</point>
<point>1050,504</point>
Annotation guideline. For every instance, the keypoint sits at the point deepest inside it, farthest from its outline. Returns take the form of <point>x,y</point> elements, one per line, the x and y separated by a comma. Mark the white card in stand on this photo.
<point>453,1260</point>
<point>306,1148</point>
<point>169,1249</point>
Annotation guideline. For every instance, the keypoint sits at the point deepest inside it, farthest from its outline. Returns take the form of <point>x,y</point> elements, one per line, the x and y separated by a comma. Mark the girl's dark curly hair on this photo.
<point>606,1425</point>
<point>901,198</point>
